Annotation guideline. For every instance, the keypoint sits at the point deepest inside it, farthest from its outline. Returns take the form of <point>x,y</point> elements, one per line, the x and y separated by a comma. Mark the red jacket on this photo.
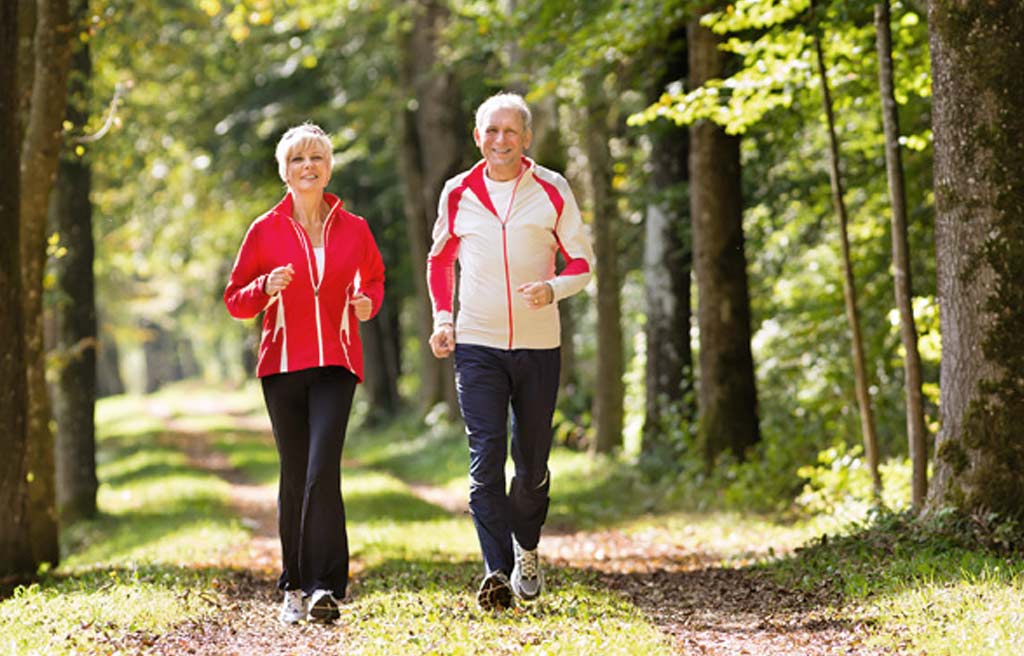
<point>310,322</point>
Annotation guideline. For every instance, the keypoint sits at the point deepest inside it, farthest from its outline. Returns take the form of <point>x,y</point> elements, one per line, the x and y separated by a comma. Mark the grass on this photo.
<point>154,558</point>
<point>926,586</point>
<point>142,564</point>
<point>149,563</point>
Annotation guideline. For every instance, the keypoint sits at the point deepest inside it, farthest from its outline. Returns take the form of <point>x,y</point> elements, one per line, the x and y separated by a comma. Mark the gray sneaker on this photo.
<point>323,607</point>
<point>527,577</point>
<point>495,592</point>
<point>293,609</point>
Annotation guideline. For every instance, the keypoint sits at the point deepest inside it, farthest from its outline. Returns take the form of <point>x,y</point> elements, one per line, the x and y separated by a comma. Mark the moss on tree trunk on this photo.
<point>977,55</point>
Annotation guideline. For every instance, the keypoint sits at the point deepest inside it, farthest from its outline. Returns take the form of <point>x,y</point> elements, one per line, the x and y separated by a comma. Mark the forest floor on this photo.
<point>184,556</point>
<point>699,601</point>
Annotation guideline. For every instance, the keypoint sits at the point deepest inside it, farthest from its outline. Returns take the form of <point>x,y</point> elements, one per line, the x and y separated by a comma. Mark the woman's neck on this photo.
<point>308,210</point>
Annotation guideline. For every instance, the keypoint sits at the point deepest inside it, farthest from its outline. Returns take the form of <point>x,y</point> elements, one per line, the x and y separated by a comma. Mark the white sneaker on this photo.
<point>323,607</point>
<point>527,577</point>
<point>293,609</point>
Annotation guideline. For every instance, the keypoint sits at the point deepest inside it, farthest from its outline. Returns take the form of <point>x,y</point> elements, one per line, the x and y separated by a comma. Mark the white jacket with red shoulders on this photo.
<point>498,252</point>
<point>309,323</point>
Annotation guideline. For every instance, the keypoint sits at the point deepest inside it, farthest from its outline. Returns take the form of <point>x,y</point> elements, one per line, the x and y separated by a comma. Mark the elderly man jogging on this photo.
<point>503,221</point>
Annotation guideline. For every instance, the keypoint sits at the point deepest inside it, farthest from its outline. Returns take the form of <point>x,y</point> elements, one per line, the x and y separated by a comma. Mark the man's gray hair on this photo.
<point>503,101</point>
<point>298,138</point>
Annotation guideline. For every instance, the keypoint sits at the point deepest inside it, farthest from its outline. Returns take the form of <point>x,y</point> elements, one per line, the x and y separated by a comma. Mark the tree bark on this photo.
<point>668,259</point>
<point>16,553</point>
<point>727,396</point>
<point>867,420</point>
<point>609,392</point>
<point>977,51</point>
<point>381,345</point>
<point>74,392</point>
<point>39,157</point>
<point>430,153</point>
<point>917,432</point>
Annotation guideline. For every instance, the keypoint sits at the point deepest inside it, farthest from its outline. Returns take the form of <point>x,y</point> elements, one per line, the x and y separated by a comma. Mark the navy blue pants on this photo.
<point>309,411</point>
<point>490,381</point>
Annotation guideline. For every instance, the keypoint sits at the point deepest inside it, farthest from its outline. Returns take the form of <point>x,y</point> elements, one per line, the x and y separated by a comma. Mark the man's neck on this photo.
<point>505,173</point>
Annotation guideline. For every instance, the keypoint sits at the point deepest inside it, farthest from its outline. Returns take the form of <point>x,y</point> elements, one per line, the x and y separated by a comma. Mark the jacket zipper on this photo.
<point>314,276</point>
<point>504,249</point>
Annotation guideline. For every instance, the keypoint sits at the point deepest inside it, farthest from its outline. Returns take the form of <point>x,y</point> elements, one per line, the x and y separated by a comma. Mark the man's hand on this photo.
<point>362,305</point>
<point>442,342</point>
<point>537,294</point>
<point>278,279</point>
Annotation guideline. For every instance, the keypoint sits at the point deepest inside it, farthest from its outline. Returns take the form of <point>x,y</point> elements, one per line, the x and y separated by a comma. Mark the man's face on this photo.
<point>502,139</point>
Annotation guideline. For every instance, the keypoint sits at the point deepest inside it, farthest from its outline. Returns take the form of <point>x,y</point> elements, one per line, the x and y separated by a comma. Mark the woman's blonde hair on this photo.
<point>301,137</point>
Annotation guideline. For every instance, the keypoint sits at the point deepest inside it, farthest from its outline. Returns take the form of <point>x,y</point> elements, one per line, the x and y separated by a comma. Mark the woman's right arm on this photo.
<point>245,295</point>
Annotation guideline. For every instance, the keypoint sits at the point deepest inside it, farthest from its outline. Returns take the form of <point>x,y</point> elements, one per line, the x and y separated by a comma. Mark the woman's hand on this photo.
<point>362,305</point>
<point>278,279</point>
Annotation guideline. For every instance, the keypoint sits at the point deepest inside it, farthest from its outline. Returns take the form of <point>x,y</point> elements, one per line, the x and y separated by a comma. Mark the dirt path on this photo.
<point>705,607</point>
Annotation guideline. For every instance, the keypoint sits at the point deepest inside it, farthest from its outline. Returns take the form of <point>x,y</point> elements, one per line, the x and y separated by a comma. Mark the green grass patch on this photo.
<point>927,585</point>
<point>140,566</point>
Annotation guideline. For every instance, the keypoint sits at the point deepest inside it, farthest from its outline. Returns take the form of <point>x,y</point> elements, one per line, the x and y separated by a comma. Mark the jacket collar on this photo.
<point>476,181</point>
<point>285,206</point>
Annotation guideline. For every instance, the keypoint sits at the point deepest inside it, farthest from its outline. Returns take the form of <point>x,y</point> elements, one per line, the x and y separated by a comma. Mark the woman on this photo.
<point>313,269</point>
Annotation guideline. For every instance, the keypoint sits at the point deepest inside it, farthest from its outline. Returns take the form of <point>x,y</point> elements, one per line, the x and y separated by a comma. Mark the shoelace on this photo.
<point>295,602</point>
<point>528,564</point>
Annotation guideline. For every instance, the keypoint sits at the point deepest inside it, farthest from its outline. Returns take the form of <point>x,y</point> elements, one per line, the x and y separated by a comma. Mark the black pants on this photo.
<point>309,411</point>
<point>491,381</point>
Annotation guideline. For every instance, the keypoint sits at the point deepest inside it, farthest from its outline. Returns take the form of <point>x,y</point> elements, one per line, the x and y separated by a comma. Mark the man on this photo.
<point>504,220</point>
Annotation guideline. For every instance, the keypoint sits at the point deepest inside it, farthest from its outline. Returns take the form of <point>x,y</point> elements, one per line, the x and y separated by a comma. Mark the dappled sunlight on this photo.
<point>979,614</point>
<point>99,606</point>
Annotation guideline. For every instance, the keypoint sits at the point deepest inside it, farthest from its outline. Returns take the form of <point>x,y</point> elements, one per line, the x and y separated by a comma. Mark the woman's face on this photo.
<point>308,169</point>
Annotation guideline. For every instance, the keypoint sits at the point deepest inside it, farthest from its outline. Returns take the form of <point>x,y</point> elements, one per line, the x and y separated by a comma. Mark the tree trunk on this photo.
<point>39,157</point>
<point>667,262</point>
<point>727,395</point>
<point>381,346</point>
<point>867,421</point>
<point>917,432</point>
<point>430,153</point>
<point>74,393</point>
<point>16,553</point>
<point>108,367</point>
<point>977,53</point>
<point>609,392</point>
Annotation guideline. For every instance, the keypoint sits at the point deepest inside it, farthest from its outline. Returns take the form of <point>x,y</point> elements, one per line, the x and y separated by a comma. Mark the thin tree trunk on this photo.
<point>867,421</point>
<point>727,394</point>
<point>74,393</point>
<point>432,134</point>
<point>381,345</point>
<point>977,50</point>
<point>668,258</point>
<point>608,395</point>
<point>16,554</point>
<point>39,157</point>
<point>917,432</point>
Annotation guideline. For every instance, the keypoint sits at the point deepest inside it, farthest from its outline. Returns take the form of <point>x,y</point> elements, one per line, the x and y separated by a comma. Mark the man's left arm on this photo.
<point>574,244</point>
